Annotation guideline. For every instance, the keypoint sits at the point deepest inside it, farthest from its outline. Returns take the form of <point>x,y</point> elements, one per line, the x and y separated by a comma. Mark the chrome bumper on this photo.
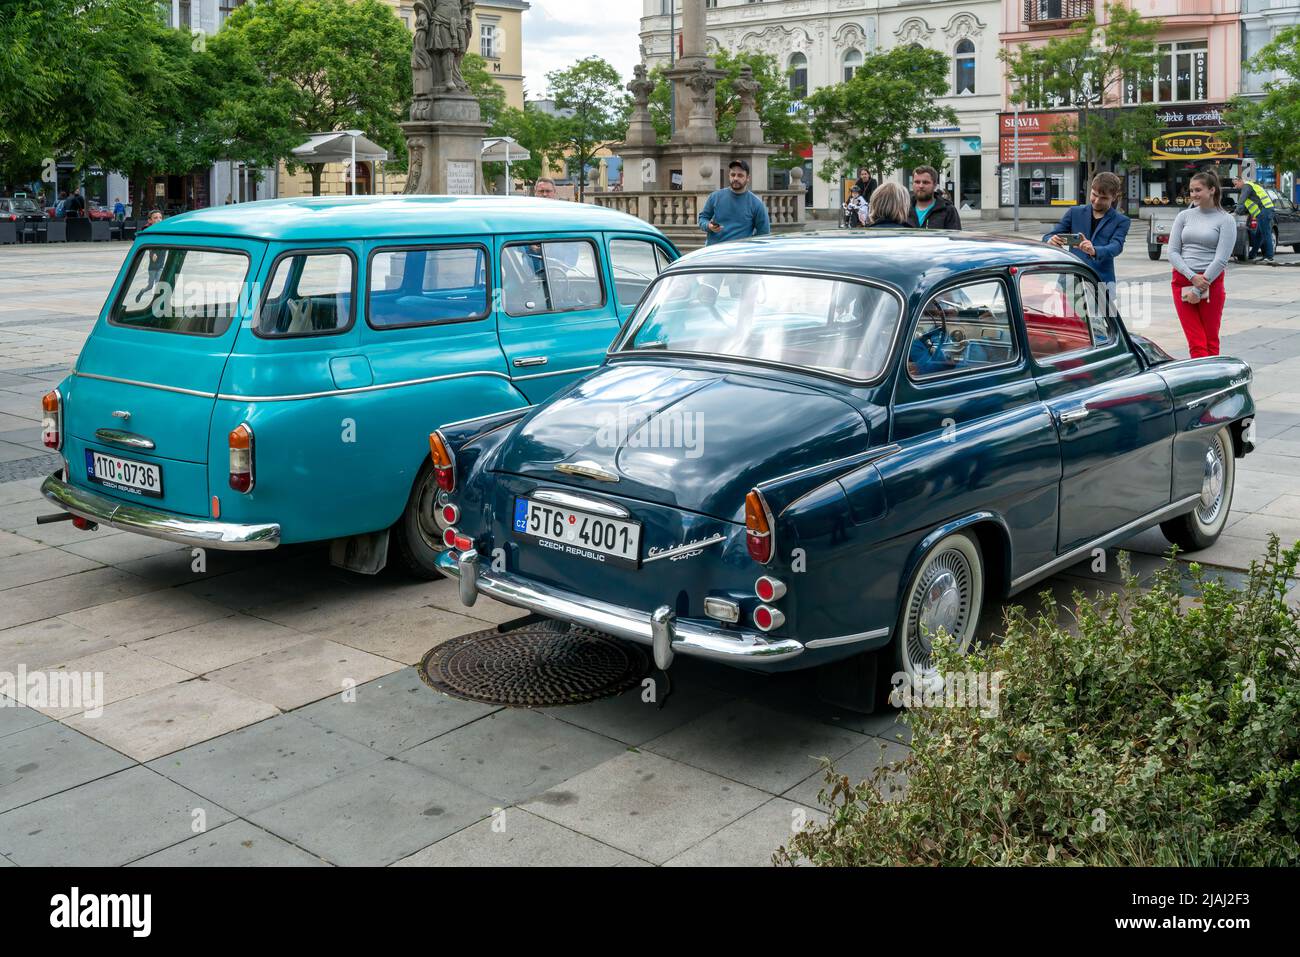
<point>130,517</point>
<point>666,634</point>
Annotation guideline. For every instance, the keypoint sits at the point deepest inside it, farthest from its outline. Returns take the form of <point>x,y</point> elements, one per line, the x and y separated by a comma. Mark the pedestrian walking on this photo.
<point>1259,207</point>
<point>1095,231</point>
<point>930,211</point>
<point>1200,243</point>
<point>890,207</point>
<point>734,212</point>
<point>866,182</point>
<point>119,209</point>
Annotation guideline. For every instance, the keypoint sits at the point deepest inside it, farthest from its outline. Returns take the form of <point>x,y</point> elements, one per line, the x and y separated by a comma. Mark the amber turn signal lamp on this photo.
<point>444,465</point>
<point>758,528</point>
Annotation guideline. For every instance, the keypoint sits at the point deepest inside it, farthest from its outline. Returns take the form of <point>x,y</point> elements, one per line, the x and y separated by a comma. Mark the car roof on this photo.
<point>315,218</point>
<point>912,260</point>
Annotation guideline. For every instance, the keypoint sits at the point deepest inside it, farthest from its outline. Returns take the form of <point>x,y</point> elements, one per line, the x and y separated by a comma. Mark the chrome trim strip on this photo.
<point>145,385</point>
<point>595,506</point>
<point>683,549</point>
<point>130,517</point>
<point>491,415</point>
<point>587,469</point>
<point>847,639</point>
<point>688,637</point>
<point>129,439</point>
<point>1072,556</point>
<point>1213,395</point>
<point>543,375</point>
<point>361,388</point>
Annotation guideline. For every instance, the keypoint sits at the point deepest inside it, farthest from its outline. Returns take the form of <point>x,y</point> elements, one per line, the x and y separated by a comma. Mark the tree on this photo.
<point>1086,70</point>
<point>778,111</point>
<point>534,130</point>
<point>491,96</point>
<point>595,112</point>
<point>1273,123</point>
<point>329,64</point>
<point>871,119</point>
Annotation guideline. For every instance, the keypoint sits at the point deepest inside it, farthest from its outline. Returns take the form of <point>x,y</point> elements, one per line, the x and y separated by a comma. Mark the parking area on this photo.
<point>264,708</point>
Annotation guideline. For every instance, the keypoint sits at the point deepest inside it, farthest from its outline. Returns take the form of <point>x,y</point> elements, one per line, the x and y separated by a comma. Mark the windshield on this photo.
<point>828,325</point>
<point>24,205</point>
<point>195,291</point>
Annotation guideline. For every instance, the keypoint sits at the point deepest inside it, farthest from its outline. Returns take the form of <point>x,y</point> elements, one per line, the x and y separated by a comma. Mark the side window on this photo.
<point>962,329</point>
<point>309,294</point>
<point>556,276</point>
<point>1062,314</point>
<point>635,262</point>
<point>424,286</point>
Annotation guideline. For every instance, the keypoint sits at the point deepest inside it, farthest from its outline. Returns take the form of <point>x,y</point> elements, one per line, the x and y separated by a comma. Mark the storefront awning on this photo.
<point>337,148</point>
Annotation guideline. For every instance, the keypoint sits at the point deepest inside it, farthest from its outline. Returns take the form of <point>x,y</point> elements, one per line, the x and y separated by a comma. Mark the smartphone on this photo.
<point>1072,239</point>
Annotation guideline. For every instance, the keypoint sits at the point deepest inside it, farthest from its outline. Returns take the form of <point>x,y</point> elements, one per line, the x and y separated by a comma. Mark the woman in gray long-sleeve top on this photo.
<point>1200,243</point>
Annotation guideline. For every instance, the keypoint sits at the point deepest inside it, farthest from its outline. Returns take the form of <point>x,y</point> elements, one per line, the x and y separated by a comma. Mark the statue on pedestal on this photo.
<point>442,34</point>
<point>749,128</point>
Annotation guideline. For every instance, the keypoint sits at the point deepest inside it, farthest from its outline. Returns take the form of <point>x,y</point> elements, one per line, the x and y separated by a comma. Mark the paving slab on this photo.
<point>48,758</point>
<point>402,634</point>
<point>169,719</point>
<point>376,815</point>
<point>47,642</point>
<point>265,763</point>
<point>394,713</point>
<point>633,720</point>
<point>204,648</point>
<point>513,754</point>
<point>147,615</point>
<point>106,823</point>
<point>118,549</point>
<point>858,765</point>
<point>125,673</point>
<point>303,672</point>
<point>755,745</point>
<point>647,805</point>
<point>11,544</point>
<point>237,844</point>
<point>752,840</point>
<point>515,838</point>
<point>59,596</point>
<point>16,717</point>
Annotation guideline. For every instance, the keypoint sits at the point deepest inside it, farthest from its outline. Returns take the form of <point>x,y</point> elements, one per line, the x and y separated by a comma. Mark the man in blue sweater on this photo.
<point>734,213</point>
<point>1095,231</point>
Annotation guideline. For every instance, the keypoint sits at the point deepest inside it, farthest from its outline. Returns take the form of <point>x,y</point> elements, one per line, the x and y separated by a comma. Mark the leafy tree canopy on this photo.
<point>1273,123</point>
<point>595,106</point>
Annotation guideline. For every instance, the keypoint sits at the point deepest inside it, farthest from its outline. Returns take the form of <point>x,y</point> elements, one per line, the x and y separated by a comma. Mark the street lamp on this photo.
<point>354,134</point>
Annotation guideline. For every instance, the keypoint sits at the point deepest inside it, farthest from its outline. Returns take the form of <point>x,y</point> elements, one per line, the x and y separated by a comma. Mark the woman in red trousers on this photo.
<point>1200,243</point>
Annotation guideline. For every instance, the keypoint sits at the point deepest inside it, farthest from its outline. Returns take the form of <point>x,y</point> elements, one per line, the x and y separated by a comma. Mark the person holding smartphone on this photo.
<point>1095,231</point>
<point>734,212</point>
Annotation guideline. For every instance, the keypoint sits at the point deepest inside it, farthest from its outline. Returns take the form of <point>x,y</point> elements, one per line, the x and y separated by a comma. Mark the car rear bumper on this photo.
<point>665,633</point>
<point>130,517</point>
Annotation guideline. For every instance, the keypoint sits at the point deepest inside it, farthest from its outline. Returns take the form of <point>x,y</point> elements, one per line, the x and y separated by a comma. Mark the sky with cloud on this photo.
<point>559,33</point>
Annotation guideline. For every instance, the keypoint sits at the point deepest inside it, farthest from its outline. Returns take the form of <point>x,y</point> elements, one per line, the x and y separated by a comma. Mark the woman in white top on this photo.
<point>1200,243</point>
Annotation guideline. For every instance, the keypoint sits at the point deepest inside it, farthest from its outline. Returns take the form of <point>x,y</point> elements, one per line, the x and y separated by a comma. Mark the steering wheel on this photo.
<point>935,339</point>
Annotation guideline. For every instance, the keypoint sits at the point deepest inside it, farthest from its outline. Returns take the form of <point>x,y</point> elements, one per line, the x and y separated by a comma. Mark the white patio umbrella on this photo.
<point>340,147</point>
<point>504,148</point>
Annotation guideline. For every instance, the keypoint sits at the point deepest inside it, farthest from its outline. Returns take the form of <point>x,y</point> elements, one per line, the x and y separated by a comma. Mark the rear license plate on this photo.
<point>579,533</point>
<point>139,478</point>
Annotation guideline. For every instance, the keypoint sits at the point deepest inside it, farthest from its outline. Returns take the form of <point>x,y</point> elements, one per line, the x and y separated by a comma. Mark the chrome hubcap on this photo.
<point>425,505</point>
<point>942,601</point>
<point>1212,484</point>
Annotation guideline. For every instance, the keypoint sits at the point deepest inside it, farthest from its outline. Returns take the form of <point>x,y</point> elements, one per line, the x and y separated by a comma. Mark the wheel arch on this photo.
<point>992,536</point>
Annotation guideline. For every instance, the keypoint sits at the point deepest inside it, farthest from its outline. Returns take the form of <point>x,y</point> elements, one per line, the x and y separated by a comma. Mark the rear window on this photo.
<point>427,285</point>
<point>185,290</point>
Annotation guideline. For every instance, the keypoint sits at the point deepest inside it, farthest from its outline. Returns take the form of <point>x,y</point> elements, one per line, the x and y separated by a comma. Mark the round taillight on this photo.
<point>769,589</point>
<point>766,618</point>
<point>450,514</point>
<point>449,538</point>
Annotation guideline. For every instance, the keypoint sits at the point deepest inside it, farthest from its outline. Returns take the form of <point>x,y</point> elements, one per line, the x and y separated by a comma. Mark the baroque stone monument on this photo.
<point>444,136</point>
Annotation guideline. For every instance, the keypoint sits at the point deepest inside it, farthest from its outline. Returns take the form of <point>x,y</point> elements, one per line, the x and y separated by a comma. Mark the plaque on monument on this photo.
<point>460,178</point>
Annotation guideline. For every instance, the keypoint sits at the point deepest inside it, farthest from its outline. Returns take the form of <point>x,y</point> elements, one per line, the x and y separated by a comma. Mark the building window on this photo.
<point>964,59</point>
<point>1253,39</point>
<point>226,7</point>
<point>487,41</point>
<point>1180,75</point>
<point>710,4</point>
<point>183,16</point>
<point>852,61</point>
<point>798,75</point>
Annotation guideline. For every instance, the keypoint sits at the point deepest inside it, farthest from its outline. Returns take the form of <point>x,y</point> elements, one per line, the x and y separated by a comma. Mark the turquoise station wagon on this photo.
<point>269,372</point>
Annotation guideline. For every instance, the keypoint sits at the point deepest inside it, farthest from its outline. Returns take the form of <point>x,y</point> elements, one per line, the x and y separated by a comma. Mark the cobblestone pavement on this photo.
<point>223,708</point>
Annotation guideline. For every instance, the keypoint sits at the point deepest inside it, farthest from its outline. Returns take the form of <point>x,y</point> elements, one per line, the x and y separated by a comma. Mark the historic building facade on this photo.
<point>1261,21</point>
<point>823,41</point>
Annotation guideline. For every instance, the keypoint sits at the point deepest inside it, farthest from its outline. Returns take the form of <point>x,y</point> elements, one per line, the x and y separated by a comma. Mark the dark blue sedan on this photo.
<point>825,449</point>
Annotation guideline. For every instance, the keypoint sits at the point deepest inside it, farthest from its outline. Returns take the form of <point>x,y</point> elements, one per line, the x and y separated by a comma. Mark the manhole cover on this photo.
<point>540,664</point>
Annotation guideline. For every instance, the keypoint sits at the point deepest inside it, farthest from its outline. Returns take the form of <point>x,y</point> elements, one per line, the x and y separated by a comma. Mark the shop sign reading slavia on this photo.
<point>1194,144</point>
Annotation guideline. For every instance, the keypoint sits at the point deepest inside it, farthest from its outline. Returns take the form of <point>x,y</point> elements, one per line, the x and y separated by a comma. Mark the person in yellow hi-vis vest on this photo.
<point>1260,208</point>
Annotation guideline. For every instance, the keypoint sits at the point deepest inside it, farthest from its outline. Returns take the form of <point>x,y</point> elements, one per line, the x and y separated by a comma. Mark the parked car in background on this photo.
<point>93,211</point>
<point>1286,224</point>
<point>266,372</point>
<point>824,450</point>
<point>21,209</point>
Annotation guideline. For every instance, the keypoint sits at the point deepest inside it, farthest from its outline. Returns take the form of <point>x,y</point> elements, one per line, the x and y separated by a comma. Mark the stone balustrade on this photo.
<point>668,208</point>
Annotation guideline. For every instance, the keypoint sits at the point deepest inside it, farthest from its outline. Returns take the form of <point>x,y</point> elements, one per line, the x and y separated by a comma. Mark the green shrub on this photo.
<point>1154,731</point>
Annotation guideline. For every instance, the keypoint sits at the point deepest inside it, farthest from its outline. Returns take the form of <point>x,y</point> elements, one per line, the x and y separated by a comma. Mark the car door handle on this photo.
<point>1073,415</point>
<point>524,362</point>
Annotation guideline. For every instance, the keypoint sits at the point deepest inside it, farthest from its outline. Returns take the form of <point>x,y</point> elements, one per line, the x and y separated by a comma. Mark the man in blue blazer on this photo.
<point>1102,226</point>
